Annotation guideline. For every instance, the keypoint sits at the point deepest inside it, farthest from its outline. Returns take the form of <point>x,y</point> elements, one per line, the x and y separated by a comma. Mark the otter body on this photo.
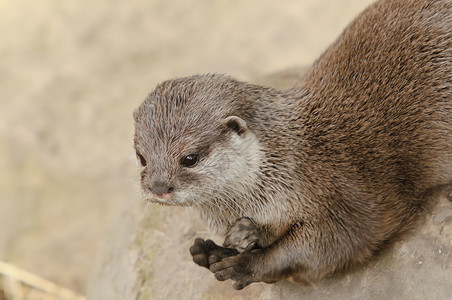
<point>308,181</point>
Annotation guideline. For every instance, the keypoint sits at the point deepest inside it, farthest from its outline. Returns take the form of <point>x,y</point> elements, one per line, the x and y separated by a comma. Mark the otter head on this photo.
<point>192,144</point>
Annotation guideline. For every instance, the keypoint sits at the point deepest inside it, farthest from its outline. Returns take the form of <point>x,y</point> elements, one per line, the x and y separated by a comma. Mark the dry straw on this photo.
<point>17,284</point>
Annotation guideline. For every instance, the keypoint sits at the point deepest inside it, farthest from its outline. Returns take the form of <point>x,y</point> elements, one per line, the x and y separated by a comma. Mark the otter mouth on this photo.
<point>167,201</point>
<point>162,201</point>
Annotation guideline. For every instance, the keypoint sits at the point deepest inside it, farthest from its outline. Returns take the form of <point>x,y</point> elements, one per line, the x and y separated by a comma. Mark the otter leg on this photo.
<point>243,235</point>
<point>291,255</point>
<point>206,252</point>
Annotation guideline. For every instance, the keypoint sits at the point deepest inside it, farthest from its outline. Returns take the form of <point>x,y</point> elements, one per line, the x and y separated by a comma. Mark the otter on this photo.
<point>318,178</point>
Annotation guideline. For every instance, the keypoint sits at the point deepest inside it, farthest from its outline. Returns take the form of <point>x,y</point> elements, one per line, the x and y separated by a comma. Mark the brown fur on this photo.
<point>347,161</point>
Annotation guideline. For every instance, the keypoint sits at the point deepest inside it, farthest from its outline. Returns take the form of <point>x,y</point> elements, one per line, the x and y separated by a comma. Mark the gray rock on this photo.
<point>147,257</point>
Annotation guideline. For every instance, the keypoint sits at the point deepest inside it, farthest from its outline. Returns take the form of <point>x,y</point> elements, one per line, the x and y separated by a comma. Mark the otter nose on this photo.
<point>161,191</point>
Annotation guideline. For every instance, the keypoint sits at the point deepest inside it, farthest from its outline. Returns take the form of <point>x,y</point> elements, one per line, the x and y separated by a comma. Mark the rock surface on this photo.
<point>148,258</point>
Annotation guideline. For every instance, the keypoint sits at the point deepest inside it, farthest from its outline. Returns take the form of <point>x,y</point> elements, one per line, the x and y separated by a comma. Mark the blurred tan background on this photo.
<point>71,73</point>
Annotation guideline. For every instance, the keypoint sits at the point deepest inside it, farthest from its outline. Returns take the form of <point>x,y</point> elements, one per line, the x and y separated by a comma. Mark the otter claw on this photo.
<point>206,252</point>
<point>236,268</point>
<point>242,235</point>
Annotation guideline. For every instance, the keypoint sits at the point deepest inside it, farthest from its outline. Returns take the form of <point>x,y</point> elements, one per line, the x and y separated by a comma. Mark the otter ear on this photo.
<point>236,124</point>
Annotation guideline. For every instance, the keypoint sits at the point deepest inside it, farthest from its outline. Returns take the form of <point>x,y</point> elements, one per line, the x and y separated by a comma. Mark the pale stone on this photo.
<point>159,265</point>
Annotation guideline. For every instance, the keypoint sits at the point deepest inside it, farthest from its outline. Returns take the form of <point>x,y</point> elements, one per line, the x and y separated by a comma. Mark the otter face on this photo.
<point>189,149</point>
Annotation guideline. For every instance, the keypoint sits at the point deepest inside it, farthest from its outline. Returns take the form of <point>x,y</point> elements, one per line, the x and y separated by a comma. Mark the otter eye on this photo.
<point>142,160</point>
<point>190,161</point>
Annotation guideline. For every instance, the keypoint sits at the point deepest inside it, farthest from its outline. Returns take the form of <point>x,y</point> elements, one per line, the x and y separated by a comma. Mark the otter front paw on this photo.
<point>243,235</point>
<point>206,252</point>
<point>239,268</point>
